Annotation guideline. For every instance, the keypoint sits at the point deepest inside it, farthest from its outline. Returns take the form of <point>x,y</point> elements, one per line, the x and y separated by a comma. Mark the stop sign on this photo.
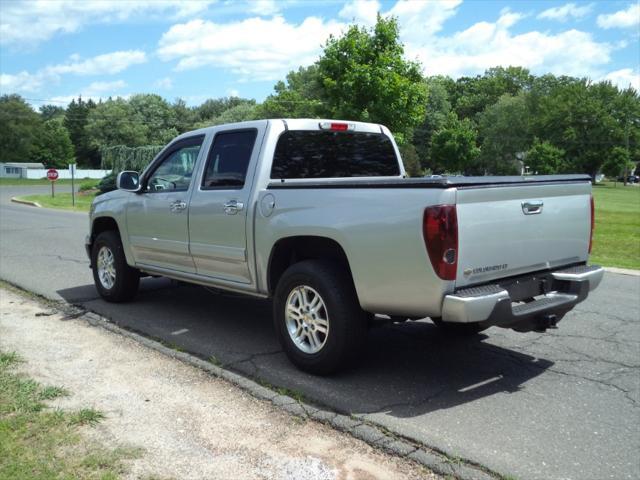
<point>52,174</point>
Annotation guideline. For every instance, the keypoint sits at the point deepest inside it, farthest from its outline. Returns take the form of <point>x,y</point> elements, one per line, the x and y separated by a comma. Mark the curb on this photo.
<point>623,271</point>
<point>25,202</point>
<point>371,434</point>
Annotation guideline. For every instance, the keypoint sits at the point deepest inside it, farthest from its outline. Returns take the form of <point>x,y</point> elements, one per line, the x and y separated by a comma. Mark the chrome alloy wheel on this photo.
<point>307,319</point>
<point>106,268</point>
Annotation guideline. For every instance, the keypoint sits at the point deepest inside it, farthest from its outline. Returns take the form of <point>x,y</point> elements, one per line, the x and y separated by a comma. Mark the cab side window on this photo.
<point>174,172</point>
<point>229,159</point>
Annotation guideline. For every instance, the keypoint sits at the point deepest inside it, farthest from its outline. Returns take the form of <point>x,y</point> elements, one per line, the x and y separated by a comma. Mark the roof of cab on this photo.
<point>292,124</point>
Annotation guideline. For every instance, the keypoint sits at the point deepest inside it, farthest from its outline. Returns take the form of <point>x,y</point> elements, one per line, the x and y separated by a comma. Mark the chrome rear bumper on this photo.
<point>494,304</point>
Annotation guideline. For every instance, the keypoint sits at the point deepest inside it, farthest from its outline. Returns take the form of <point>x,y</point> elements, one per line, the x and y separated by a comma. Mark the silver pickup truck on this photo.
<point>318,216</point>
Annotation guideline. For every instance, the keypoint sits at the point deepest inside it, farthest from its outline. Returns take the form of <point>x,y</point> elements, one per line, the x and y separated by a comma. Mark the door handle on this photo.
<point>533,207</point>
<point>178,206</point>
<point>232,207</point>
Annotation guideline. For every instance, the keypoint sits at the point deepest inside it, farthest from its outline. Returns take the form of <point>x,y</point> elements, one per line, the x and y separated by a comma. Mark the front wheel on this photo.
<point>317,317</point>
<point>114,279</point>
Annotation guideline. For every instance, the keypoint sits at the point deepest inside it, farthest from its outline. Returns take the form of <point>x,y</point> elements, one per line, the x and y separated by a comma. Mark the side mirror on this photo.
<point>129,181</point>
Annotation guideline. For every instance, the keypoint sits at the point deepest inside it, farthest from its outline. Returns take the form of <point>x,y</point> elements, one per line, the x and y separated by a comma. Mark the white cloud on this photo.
<point>22,82</point>
<point>624,78</point>
<point>363,12</point>
<point>565,12</point>
<point>276,46</point>
<point>486,44</point>
<point>420,20</point>
<point>233,93</point>
<point>104,87</point>
<point>263,7</point>
<point>622,18</point>
<point>28,23</point>
<point>273,48</point>
<point>164,83</point>
<point>66,99</point>
<point>107,64</point>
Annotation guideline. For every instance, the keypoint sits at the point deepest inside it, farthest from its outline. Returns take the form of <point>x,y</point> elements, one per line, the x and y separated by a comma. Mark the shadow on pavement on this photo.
<point>407,369</point>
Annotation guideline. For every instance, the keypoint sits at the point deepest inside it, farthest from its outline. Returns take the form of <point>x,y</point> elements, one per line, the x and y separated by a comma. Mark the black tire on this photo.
<point>459,329</point>
<point>127,279</point>
<point>347,322</point>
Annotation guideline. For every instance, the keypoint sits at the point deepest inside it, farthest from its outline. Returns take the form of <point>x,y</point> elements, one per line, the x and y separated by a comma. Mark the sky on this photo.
<point>54,50</point>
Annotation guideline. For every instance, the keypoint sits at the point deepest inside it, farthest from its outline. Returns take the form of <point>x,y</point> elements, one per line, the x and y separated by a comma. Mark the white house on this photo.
<point>38,170</point>
<point>18,170</point>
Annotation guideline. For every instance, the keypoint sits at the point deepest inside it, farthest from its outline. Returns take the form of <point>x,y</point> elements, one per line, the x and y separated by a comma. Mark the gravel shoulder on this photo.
<point>190,425</point>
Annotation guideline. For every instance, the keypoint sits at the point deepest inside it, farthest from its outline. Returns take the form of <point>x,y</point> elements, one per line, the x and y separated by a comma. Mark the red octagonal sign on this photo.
<point>52,174</point>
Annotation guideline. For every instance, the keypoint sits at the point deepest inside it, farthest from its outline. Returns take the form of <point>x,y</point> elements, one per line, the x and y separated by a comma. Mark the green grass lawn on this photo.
<point>41,443</point>
<point>616,241</point>
<point>43,181</point>
<point>62,201</point>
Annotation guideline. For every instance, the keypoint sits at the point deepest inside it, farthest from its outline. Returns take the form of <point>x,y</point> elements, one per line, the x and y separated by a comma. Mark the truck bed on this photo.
<point>445,182</point>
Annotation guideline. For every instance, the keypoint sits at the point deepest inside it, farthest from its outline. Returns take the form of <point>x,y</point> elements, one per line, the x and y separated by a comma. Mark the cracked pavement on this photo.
<point>558,405</point>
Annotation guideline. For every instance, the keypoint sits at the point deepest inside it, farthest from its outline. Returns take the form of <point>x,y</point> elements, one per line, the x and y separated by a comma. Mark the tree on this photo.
<point>454,146</point>
<point>410,160</point>
<point>437,113</point>
<point>364,76</point>
<point>300,97</point>
<point>577,117</point>
<point>75,121</point>
<point>239,113</point>
<point>617,163</point>
<point>213,108</point>
<point>53,145</point>
<point>156,115</point>
<point>19,126</point>
<point>115,122</point>
<point>472,95</point>
<point>185,116</point>
<point>626,113</point>
<point>543,158</point>
<point>47,112</point>
<point>505,135</point>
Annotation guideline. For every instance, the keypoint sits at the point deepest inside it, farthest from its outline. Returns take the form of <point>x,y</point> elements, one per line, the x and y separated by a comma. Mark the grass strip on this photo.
<point>11,182</point>
<point>616,241</point>
<point>41,443</point>
<point>62,201</point>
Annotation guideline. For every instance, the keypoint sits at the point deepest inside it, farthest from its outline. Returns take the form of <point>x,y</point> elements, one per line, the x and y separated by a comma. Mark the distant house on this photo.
<point>18,170</point>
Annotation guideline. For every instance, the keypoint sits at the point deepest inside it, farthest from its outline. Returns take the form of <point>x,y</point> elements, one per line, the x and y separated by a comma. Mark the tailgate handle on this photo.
<point>533,207</point>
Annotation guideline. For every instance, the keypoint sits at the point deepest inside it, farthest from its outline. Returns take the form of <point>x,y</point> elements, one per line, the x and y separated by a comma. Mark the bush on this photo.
<point>108,183</point>
<point>88,185</point>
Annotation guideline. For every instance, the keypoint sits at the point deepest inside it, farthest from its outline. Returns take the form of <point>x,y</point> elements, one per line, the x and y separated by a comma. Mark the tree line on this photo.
<point>501,122</point>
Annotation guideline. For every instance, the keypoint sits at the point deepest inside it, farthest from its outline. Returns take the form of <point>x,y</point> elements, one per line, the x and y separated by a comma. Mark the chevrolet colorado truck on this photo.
<point>318,216</point>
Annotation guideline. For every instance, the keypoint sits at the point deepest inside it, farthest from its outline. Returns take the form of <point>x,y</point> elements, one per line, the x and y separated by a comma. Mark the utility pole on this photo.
<point>626,141</point>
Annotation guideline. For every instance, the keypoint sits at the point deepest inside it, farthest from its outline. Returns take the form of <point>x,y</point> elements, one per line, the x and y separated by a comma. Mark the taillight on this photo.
<point>336,126</point>
<point>440,230</point>
<point>593,223</point>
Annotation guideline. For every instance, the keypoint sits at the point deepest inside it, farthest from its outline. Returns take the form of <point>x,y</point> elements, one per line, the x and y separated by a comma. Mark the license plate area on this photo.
<point>528,287</point>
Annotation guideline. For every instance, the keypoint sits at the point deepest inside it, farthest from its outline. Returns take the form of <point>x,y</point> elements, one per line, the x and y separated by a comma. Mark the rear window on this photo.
<point>319,154</point>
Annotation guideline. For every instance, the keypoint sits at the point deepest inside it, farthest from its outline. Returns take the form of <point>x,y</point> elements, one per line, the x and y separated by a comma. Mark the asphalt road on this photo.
<point>559,405</point>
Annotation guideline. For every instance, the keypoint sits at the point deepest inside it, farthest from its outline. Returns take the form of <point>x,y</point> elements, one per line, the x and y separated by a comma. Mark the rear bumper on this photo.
<point>503,305</point>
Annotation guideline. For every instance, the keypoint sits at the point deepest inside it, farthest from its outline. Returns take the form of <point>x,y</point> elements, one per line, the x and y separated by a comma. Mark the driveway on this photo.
<point>559,405</point>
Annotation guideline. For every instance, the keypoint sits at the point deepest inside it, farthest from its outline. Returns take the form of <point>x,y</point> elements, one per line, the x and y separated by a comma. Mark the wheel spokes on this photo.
<point>105,264</point>
<point>306,319</point>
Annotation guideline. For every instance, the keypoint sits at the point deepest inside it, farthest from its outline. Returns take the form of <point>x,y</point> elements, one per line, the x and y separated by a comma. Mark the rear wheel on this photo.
<point>459,329</point>
<point>318,319</point>
<point>114,279</point>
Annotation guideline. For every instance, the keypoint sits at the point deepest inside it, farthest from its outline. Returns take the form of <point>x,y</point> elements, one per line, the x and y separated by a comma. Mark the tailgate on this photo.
<point>511,230</point>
